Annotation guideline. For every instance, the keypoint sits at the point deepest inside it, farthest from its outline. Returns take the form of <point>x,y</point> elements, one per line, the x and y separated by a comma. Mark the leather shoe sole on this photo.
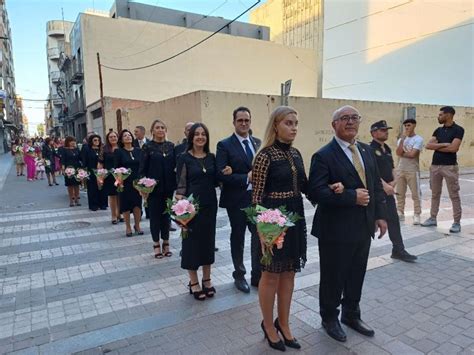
<point>359,326</point>
<point>335,331</point>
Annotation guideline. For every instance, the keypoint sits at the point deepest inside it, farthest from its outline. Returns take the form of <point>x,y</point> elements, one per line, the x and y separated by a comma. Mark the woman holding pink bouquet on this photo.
<point>279,179</point>
<point>129,157</point>
<point>107,161</point>
<point>158,162</point>
<point>71,159</point>
<point>96,198</point>
<point>196,173</point>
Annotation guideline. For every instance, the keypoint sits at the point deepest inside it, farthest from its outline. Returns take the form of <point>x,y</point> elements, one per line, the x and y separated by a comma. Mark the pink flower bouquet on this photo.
<point>82,175</point>
<point>182,212</point>
<point>120,175</point>
<point>144,186</point>
<point>272,225</point>
<point>101,174</point>
<point>70,172</point>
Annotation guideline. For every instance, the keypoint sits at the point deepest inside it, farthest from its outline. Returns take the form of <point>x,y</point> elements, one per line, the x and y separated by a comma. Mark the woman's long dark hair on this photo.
<point>120,137</point>
<point>191,133</point>
<point>91,138</point>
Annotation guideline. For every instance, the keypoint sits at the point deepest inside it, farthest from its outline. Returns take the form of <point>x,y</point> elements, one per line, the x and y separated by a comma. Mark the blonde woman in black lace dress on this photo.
<point>279,179</point>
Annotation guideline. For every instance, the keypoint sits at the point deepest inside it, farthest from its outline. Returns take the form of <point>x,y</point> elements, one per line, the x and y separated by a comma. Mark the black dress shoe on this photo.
<point>403,255</point>
<point>334,330</point>
<point>359,326</point>
<point>242,285</point>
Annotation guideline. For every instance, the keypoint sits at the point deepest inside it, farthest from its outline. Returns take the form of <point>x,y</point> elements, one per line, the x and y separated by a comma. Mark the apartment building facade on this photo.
<point>403,51</point>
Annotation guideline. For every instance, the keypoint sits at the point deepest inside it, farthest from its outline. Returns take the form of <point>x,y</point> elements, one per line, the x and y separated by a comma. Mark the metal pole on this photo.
<point>101,94</point>
<point>282,94</point>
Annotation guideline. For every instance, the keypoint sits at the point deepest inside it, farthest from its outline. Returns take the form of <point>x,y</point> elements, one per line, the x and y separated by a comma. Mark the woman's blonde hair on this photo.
<point>153,126</point>
<point>278,115</point>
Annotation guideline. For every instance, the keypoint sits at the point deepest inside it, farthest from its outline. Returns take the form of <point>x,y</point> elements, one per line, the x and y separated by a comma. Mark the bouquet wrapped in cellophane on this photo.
<point>101,174</point>
<point>144,186</point>
<point>272,225</point>
<point>182,212</point>
<point>120,175</point>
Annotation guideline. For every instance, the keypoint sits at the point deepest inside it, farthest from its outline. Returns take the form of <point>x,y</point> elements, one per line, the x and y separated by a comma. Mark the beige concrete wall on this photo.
<point>215,110</point>
<point>223,63</point>
<point>174,112</point>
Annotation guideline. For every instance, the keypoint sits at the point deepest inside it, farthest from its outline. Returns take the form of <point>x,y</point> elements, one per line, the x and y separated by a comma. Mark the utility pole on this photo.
<point>101,87</point>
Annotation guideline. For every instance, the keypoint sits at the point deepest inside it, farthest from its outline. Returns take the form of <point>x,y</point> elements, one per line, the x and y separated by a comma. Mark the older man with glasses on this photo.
<point>345,183</point>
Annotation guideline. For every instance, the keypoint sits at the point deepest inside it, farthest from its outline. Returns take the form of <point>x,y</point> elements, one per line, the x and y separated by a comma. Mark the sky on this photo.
<point>28,27</point>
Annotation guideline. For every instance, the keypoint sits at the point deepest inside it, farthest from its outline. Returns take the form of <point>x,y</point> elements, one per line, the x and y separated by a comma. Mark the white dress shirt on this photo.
<point>345,148</point>
<point>241,140</point>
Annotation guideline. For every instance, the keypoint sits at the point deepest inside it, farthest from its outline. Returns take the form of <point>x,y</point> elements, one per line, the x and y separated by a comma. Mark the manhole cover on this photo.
<point>70,225</point>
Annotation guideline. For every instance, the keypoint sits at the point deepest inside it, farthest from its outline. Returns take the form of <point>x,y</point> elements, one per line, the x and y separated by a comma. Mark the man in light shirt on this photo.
<point>408,149</point>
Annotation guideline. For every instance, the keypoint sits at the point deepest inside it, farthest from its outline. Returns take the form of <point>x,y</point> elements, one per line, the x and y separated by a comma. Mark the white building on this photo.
<point>57,39</point>
<point>419,51</point>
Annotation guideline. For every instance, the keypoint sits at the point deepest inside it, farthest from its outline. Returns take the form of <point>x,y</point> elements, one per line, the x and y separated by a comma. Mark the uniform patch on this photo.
<point>378,153</point>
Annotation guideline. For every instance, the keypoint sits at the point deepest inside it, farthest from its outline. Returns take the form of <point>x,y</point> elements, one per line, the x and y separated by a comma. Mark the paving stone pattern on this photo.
<point>70,282</point>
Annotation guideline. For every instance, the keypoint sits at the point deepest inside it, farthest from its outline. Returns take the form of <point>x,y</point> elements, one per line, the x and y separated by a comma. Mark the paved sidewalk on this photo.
<point>72,283</point>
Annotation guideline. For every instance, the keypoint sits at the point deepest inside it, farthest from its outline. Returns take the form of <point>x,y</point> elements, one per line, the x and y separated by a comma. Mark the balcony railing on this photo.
<point>57,100</point>
<point>53,53</point>
<point>77,72</point>
<point>77,108</point>
<point>55,76</point>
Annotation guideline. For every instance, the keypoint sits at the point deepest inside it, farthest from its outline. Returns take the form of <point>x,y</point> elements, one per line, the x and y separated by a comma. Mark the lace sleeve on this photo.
<point>259,176</point>
<point>181,173</point>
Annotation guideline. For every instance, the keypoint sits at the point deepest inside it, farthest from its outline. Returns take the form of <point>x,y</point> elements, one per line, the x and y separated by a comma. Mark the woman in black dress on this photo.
<point>49,156</point>
<point>279,179</point>
<point>107,161</point>
<point>128,157</point>
<point>90,159</point>
<point>196,172</point>
<point>71,158</point>
<point>158,162</point>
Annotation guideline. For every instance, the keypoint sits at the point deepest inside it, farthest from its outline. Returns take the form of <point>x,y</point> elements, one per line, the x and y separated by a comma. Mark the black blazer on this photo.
<point>338,217</point>
<point>137,145</point>
<point>234,187</point>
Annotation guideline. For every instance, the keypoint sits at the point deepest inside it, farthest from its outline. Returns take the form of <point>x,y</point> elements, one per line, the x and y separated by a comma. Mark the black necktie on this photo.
<point>248,151</point>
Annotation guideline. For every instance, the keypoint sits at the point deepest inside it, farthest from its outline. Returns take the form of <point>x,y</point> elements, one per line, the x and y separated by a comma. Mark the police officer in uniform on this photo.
<point>383,154</point>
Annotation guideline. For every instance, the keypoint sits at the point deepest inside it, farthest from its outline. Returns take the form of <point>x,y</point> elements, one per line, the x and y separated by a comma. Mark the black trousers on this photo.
<point>342,269</point>
<point>96,198</point>
<point>239,224</point>
<point>393,224</point>
<point>159,221</point>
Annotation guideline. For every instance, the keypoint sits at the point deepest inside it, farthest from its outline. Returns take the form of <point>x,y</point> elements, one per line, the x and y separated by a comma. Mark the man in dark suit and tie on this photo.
<point>237,152</point>
<point>140,138</point>
<point>345,222</point>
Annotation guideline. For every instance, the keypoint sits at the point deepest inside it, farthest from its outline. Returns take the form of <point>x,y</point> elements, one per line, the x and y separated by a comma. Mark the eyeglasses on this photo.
<point>347,118</point>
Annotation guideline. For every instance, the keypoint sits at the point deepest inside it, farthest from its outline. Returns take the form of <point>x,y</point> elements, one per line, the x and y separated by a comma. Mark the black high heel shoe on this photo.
<point>139,232</point>
<point>198,295</point>
<point>293,343</point>
<point>278,345</point>
<point>209,291</point>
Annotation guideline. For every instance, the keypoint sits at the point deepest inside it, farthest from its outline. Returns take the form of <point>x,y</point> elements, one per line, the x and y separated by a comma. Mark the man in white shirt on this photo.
<point>408,149</point>
<point>140,138</point>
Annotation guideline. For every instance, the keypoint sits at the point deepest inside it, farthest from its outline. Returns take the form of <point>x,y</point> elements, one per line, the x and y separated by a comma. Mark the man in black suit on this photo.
<point>345,222</point>
<point>140,138</point>
<point>237,152</point>
<point>183,146</point>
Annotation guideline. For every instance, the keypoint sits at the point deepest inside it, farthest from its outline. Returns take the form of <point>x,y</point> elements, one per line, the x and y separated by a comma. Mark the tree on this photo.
<point>40,130</point>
